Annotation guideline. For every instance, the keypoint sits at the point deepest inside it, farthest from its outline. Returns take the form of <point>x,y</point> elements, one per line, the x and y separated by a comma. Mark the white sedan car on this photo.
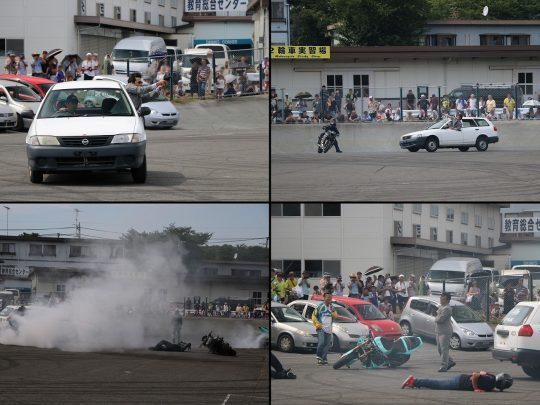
<point>476,131</point>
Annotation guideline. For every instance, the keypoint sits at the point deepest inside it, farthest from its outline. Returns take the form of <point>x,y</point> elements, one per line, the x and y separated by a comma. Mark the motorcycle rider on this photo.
<point>333,128</point>
<point>477,381</point>
<point>322,319</point>
<point>458,124</point>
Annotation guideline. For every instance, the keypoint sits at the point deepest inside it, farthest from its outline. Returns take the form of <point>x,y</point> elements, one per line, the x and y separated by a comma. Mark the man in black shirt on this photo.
<point>478,382</point>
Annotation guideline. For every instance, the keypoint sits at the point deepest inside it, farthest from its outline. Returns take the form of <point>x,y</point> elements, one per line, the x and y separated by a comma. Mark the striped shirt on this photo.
<point>204,72</point>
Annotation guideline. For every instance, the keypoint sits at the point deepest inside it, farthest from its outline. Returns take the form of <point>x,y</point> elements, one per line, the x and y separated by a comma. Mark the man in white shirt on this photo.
<point>88,67</point>
<point>402,294</point>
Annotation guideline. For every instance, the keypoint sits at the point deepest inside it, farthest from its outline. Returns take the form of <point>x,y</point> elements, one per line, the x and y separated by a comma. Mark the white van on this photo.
<point>139,50</point>
<point>455,271</point>
<point>221,52</point>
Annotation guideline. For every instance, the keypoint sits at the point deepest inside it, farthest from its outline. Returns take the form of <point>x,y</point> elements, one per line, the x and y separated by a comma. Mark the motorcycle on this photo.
<point>216,345</point>
<point>377,352</point>
<point>327,138</point>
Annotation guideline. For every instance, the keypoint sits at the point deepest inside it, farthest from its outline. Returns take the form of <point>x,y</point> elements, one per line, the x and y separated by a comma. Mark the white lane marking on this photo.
<point>226,399</point>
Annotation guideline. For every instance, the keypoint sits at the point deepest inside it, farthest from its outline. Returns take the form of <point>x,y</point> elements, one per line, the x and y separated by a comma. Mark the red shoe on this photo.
<point>408,383</point>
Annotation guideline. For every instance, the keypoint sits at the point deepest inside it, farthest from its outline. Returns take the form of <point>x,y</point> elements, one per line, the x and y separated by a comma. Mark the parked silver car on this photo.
<point>470,331</point>
<point>346,328</point>
<point>290,330</point>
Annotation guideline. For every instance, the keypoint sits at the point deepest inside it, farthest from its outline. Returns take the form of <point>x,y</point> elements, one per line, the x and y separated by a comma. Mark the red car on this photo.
<point>40,85</point>
<point>369,315</point>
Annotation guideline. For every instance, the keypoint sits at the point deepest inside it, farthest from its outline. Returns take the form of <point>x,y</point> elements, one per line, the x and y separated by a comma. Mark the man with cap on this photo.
<point>36,65</point>
<point>290,283</point>
<point>401,292</point>
<point>353,286</point>
<point>278,288</point>
<point>87,67</point>
<point>412,287</point>
<point>303,282</point>
<point>325,283</point>
<point>11,64</point>
<point>95,64</point>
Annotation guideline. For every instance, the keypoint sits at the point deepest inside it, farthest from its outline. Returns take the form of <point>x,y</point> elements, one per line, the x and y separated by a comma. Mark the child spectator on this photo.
<point>220,87</point>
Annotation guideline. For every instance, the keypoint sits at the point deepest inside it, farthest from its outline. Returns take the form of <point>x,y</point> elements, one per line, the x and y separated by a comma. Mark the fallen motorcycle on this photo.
<point>166,346</point>
<point>327,138</point>
<point>380,352</point>
<point>216,345</point>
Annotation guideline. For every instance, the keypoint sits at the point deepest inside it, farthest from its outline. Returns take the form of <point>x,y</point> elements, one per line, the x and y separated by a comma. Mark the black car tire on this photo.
<point>463,148</point>
<point>482,143</point>
<point>286,343</point>
<point>139,173</point>
<point>432,144</point>
<point>36,177</point>
<point>414,149</point>
<point>20,124</point>
<point>532,371</point>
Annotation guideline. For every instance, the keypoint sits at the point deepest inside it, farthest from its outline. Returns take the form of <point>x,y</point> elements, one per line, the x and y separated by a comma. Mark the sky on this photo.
<point>226,221</point>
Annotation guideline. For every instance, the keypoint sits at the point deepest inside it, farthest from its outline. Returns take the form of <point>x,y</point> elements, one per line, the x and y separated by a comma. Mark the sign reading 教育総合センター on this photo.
<point>300,52</point>
<point>520,225</point>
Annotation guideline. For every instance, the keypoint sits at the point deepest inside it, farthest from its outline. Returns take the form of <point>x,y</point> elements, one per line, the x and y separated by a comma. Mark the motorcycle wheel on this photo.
<point>327,145</point>
<point>345,360</point>
<point>398,360</point>
<point>319,149</point>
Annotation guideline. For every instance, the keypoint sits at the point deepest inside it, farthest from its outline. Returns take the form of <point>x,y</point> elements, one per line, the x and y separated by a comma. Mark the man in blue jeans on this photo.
<point>322,318</point>
<point>478,382</point>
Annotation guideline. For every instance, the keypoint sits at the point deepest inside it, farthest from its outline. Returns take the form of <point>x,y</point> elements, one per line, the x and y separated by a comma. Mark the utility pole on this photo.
<point>7,220</point>
<point>77,223</point>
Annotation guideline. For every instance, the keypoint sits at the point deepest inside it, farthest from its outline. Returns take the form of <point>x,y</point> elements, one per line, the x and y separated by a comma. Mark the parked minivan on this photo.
<point>139,50</point>
<point>455,271</point>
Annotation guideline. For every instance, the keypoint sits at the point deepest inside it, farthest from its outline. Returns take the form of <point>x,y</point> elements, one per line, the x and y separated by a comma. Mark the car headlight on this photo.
<point>468,332</point>
<point>44,140</point>
<point>303,333</point>
<point>341,328</point>
<point>154,112</point>
<point>376,328</point>
<point>127,138</point>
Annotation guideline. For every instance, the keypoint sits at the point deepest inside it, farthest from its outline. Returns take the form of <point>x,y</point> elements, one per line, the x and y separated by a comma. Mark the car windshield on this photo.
<point>345,316</point>
<point>119,54</point>
<point>45,87</point>
<point>23,93</point>
<point>439,125</point>
<point>448,275</point>
<point>6,311</point>
<point>463,314</point>
<point>287,314</point>
<point>517,315</point>
<point>369,312</point>
<point>90,102</point>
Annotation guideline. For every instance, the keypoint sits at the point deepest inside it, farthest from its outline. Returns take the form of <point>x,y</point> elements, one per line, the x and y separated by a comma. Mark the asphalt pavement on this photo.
<point>218,152</point>
<point>324,385</point>
<point>49,376</point>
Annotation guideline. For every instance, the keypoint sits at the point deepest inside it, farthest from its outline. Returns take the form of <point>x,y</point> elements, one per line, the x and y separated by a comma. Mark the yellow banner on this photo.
<point>300,52</point>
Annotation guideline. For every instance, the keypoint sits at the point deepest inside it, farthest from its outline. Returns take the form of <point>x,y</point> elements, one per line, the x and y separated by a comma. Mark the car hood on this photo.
<point>160,106</point>
<point>303,326</point>
<point>28,105</point>
<point>413,133</point>
<point>387,325</point>
<point>87,126</point>
<point>480,328</point>
<point>353,328</point>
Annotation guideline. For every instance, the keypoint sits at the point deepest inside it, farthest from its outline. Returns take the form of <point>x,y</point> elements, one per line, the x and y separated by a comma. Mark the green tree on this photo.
<point>498,10</point>
<point>309,22</point>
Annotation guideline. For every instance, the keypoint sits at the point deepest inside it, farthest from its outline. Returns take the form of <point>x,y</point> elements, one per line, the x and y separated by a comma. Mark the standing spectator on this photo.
<point>202,77</point>
<point>373,107</point>
<point>401,292</point>
<point>350,97</point>
<point>388,112</point>
<point>423,288</point>
<point>349,108</point>
<point>36,65</point>
<point>60,76</point>
<point>445,104</point>
<point>160,75</point>
<point>290,284</point>
<point>491,105</point>
<point>238,311</point>
<point>301,106</point>
<point>193,87</point>
<point>324,99</point>
<point>339,287</point>
<point>322,318</point>
<point>107,67</point>
<point>266,71</point>
<point>87,67</point>
<point>44,64</point>
<point>482,107</point>
<point>471,106</point>
<point>72,66</point>
<point>365,294</point>
<point>326,283</point>
<point>22,66</point>
<point>510,105</point>
<point>242,83</point>
<point>11,64</point>
<point>373,298</point>
<point>303,282</point>
<point>279,288</point>
<point>317,105</point>
<point>220,86</point>
<point>316,291</point>
<point>411,100</point>
<point>331,106</point>
<point>508,298</point>
<point>522,292</point>
<point>386,308</point>
<point>423,104</point>
<point>460,105</point>
<point>95,64</point>
<point>52,73</point>
<point>338,99</point>
<point>434,103</point>
<point>176,322</point>
<point>354,287</point>
<point>412,286</point>
<point>443,326</point>
<point>473,296</point>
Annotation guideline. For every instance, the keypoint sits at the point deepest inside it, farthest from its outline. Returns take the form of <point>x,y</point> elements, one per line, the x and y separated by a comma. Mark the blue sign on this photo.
<point>240,41</point>
<point>524,262</point>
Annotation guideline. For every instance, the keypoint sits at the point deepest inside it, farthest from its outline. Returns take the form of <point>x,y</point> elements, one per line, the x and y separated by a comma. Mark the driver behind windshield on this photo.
<point>71,104</point>
<point>458,123</point>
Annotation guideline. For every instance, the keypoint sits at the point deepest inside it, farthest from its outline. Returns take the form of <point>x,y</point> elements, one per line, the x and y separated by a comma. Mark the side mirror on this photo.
<point>144,111</point>
<point>3,98</point>
<point>28,114</point>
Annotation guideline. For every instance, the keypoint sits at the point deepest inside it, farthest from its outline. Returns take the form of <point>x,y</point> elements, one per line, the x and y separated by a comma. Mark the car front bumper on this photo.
<point>8,123</point>
<point>159,121</point>
<point>468,342</point>
<point>519,356</point>
<point>412,142</point>
<point>53,159</point>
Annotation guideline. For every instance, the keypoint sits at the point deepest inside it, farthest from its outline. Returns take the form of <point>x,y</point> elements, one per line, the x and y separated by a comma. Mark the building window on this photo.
<point>117,251</point>
<point>174,3</point>
<point>417,208</point>
<point>492,39</point>
<point>398,229</point>
<point>449,236</point>
<point>161,20</point>
<point>80,251</point>
<point>417,231</point>
<point>334,83</point>
<point>432,233</point>
<point>525,81</point>
<point>117,12</point>
<point>285,210</point>
<point>256,298</point>
<point>465,218</point>
<point>291,265</point>
<point>316,268</point>
<point>518,39</point>
<point>324,210</point>
<point>49,250</point>
<point>434,211</point>
<point>464,238</point>
<point>173,21</point>
<point>361,89</point>
<point>278,10</point>
<point>147,17</point>
<point>100,9</point>
<point>8,46</point>
<point>7,249</point>
<point>276,264</point>
<point>478,241</point>
<point>35,250</point>
<point>133,15</point>
<point>449,214</point>
<point>162,3</point>
<point>398,207</point>
<point>490,243</point>
<point>478,221</point>
<point>491,223</point>
<point>440,40</point>
<point>60,288</point>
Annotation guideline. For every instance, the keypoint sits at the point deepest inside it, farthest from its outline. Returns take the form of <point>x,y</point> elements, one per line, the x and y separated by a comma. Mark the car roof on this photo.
<point>529,303</point>
<point>435,299</point>
<point>29,79</point>
<point>346,300</point>
<point>515,272</point>
<point>277,305</point>
<point>88,84</point>
<point>312,302</point>
<point>6,82</point>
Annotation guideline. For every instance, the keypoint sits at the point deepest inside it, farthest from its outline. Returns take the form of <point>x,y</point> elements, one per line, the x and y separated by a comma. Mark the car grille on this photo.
<point>85,161</point>
<point>76,141</point>
<point>7,124</point>
<point>490,335</point>
<point>406,137</point>
<point>168,115</point>
<point>6,114</point>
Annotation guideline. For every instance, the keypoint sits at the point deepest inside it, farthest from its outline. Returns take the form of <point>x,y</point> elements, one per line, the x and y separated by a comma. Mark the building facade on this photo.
<point>280,22</point>
<point>340,239</point>
<point>523,247</point>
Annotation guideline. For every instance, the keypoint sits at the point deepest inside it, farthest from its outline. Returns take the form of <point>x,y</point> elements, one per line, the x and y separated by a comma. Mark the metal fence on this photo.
<point>395,104</point>
<point>229,308</point>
